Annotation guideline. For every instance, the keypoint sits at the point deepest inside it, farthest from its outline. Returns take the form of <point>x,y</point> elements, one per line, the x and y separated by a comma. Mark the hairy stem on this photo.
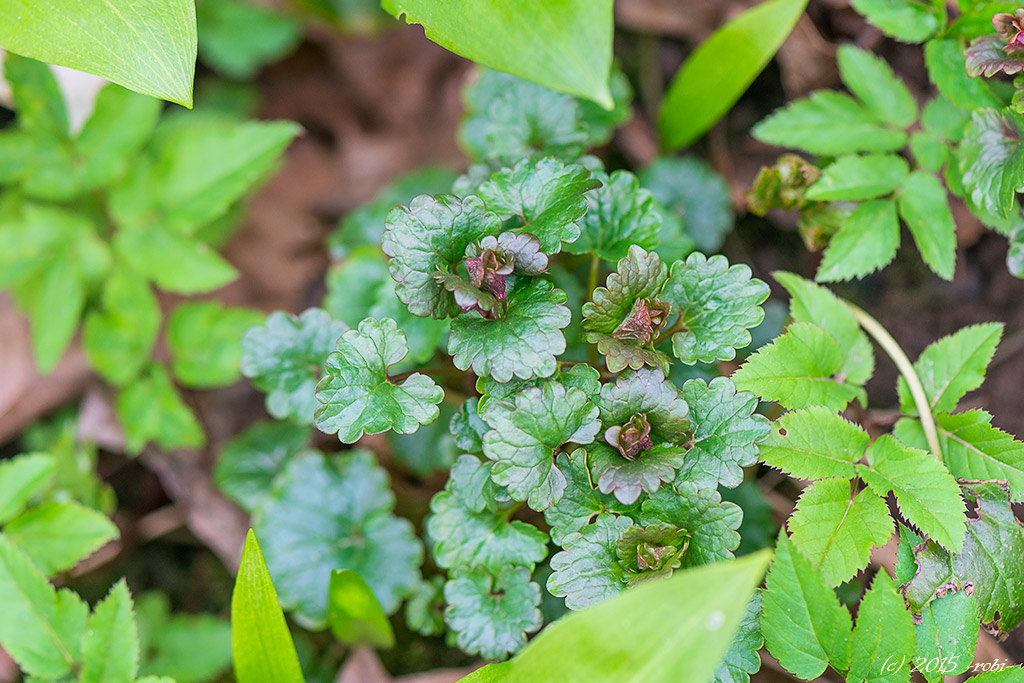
<point>906,368</point>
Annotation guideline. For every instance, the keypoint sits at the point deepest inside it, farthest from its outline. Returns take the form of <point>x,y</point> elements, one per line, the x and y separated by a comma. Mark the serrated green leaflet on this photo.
<point>260,642</point>
<point>546,195</point>
<point>948,632</point>
<point>204,338</point>
<point>523,342</point>
<point>952,366</point>
<point>866,242</point>
<point>110,646</point>
<point>118,338</point>
<point>718,72</point>
<point>947,69</point>
<point>925,491</point>
<point>717,304</point>
<point>905,20</point>
<point>814,443</point>
<point>725,433</point>
<point>354,615</point>
<point>859,177</point>
<point>464,538</point>
<point>284,359</point>
<point>804,625</point>
<point>835,529</point>
<point>57,535</point>
<point>247,466</point>
<point>828,123</point>
<point>990,562</point>
<point>884,632</point>
<point>151,410</point>
<point>20,478</point>
<point>639,648</point>
<point>525,437</point>
<point>356,395</point>
<point>567,46</point>
<point>149,46</point>
<point>326,514</point>
<point>874,83</point>
<point>925,209</point>
<point>491,614</point>
<point>620,214</point>
<point>587,571</point>
<point>798,370</point>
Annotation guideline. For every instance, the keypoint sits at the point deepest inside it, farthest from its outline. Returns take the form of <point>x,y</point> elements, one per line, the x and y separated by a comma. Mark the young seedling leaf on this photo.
<point>353,613</point>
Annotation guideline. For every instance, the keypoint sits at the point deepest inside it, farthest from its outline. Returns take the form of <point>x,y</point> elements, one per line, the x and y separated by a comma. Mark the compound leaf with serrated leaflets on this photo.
<point>492,613</point>
<point>925,491</point>
<point>952,366</point>
<point>247,466</point>
<point>853,177</point>
<point>587,570</point>
<point>717,305</point>
<point>798,369</point>
<point>525,437</point>
<point>356,395</point>
<point>620,213</point>
<point>872,80</point>
<point>464,538</point>
<point>284,359</point>
<point>110,647</point>
<point>523,342</point>
<point>835,529</point>
<point>884,633</point>
<point>804,625</point>
<point>725,433</point>
<point>814,443</point>
<point>335,513</point>
<point>547,195</point>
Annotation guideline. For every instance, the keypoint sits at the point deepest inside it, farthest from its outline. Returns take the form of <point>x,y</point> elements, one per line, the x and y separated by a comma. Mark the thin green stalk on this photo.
<point>906,368</point>
<point>595,271</point>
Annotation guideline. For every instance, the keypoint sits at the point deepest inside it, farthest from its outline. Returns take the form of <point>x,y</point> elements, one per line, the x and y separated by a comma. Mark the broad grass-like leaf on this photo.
<point>835,529</point>
<point>57,535</point>
<point>866,242</point>
<point>925,209</point>
<point>908,21</point>
<point>20,478</point>
<point>874,83</point>
<point>926,492</point>
<point>356,395</point>
<point>261,645</point>
<point>952,366</point>
<point>804,625</point>
<point>859,177</point>
<point>798,370</point>
<point>722,68</point>
<point>640,648</point>
<point>148,46</point>
<point>884,633</point>
<point>327,514</point>
<point>814,443</point>
<point>948,632</point>
<point>110,647</point>
<point>491,614</point>
<point>828,123</point>
<point>565,46</point>
<point>353,613</point>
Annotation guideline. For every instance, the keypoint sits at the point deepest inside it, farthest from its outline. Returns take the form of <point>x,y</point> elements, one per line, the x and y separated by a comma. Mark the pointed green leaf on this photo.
<point>356,395</point>
<point>37,96</point>
<point>148,46</point>
<point>906,20</point>
<point>261,645</point>
<point>814,443</point>
<point>20,478</point>
<point>246,468</point>
<point>174,262</point>
<point>152,410</point>
<point>872,80</point>
<point>804,625</point>
<point>546,195</point>
<point>866,242</point>
<point>110,649</point>
<point>327,514</point>
<point>619,214</point>
<point>906,565</point>
<point>948,632</point>
<point>925,491</point>
<point>525,437</point>
<point>884,634</point>
<point>717,305</point>
<point>835,529</point>
<point>828,123</point>
<point>284,359</point>
<point>353,613</point>
<point>855,177</point>
<point>54,299</point>
<point>952,366</point>
<point>121,123</point>
<point>925,209</point>
<point>722,68</point>
<point>947,69</point>
<point>491,614</point>
<point>798,370</point>
<point>523,342</point>
<point>57,535</point>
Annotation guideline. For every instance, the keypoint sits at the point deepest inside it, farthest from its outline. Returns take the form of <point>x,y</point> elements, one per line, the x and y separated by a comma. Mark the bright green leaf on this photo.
<point>236,38</point>
<point>906,20</point>
<point>874,83</point>
<point>866,242</point>
<point>57,535</point>
<point>859,177</point>
<point>814,443</point>
<point>884,634</point>
<point>925,209</point>
<point>948,633</point>
<point>150,409</point>
<point>173,262</point>
<point>204,338</point>
<point>110,648</point>
<point>353,613</point>
<point>119,337</point>
<point>37,96</point>
<point>22,477</point>
<point>947,68</point>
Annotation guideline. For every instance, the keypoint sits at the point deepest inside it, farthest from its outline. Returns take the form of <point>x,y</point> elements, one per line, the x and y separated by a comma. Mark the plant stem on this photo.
<point>595,271</point>
<point>678,326</point>
<point>906,368</point>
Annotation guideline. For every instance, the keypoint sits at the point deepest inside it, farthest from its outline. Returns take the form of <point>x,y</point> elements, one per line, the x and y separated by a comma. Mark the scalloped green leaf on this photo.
<point>525,437</point>
<point>814,443</point>
<point>620,213</point>
<point>424,610</point>
<point>992,160</point>
<point>335,513</point>
<point>582,503</point>
<point>627,479</point>
<point>717,305</point>
<point>742,660</point>
<point>491,614</point>
<point>546,195</point>
<point>694,192</point>
<point>711,522</point>
<point>284,358</point>
<point>587,570</point>
<point>356,395</point>
<point>246,468</point>
<point>523,342</point>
